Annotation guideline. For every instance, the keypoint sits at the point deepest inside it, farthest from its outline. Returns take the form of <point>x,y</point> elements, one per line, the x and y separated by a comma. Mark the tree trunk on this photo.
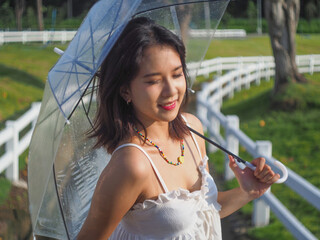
<point>70,8</point>
<point>283,17</point>
<point>19,8</point>
<point>40,15</point>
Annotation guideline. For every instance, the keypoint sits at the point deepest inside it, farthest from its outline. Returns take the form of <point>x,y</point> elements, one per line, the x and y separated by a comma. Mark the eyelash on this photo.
<point>177,75</point>
<point>157,81</point>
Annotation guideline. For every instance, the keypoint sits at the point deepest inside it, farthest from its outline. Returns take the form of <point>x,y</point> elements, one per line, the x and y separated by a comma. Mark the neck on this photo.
<point>157,131</point>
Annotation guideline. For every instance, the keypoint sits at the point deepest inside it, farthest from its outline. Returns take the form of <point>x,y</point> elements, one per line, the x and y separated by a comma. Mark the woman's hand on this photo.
<point>254,183</point>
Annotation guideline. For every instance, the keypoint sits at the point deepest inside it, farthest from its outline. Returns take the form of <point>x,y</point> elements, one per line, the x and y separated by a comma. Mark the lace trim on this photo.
<point>180,193</point>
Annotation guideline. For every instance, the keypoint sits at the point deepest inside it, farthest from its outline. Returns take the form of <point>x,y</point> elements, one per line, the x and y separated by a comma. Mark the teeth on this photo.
<point>168,104</point>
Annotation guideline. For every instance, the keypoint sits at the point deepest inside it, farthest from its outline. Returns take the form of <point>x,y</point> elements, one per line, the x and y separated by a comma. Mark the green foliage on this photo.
<point>295,141</point>
<point>7,17</point>
<point>251,11</point>
<point>309,26</point>
<point>5,186</point>
<point>250,24</point>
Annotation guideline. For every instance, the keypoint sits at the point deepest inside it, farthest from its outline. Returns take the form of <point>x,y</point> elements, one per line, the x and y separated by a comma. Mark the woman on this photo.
<point>157,184</point>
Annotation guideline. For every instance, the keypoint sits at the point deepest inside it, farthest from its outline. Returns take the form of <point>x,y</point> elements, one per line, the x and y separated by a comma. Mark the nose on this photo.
<point>169,88</point>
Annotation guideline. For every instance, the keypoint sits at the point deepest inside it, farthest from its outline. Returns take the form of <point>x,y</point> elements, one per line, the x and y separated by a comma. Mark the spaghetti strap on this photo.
<point>150,160</point>
<point>192,135</point>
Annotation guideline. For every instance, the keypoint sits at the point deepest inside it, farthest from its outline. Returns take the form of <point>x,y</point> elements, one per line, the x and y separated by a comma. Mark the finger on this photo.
<point>267,177</point>
<point>265,171</point>
<point>259,163</point>
<point>275,178</point>
<point>232,164</point>
<point>232,161</point>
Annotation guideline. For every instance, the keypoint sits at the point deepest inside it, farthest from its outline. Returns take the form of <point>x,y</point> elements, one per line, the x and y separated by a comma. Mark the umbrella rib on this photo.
<point>59,202</point>
<point>83,73</point>
<point>77,77</point>
<point>79,99</point>
<point>170,5</point>
<point>67,84</point>
<point>106,15</point>
<point>87,113</point>
<point>91,97</point>
<point>92,44</point>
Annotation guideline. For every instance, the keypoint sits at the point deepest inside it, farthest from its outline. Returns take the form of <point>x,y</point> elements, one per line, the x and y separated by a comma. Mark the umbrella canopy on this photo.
<point>63,166</point>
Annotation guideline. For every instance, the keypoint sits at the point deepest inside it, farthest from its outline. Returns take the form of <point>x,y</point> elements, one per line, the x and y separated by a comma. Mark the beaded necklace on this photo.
<point>180,159</point>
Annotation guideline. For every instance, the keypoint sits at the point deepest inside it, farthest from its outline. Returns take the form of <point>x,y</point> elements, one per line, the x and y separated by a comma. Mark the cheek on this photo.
<point>182,86</point>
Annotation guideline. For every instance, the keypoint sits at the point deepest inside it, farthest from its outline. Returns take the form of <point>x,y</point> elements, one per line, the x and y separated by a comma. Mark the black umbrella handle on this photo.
<point>239,159</point>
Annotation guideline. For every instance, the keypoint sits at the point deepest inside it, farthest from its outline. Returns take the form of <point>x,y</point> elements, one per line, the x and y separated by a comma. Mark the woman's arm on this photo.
<point>253,184</point>
<point>118,188</point>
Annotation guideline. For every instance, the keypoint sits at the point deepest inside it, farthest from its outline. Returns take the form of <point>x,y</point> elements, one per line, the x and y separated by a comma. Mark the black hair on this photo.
<point>115,119</point>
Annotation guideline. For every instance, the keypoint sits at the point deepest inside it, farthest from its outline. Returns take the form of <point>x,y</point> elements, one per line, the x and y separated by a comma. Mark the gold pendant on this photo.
<point>181,159</point>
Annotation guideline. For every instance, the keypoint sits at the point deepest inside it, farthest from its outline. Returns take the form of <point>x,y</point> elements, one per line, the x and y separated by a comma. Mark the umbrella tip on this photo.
<point>191,90</point>
<point>67,121</point>
<point>58,51</point>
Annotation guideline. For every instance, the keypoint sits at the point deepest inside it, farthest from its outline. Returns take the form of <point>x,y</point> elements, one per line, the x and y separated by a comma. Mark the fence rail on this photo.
<point>15,144</point>
<point>245,71</point>
<point>64,36</point>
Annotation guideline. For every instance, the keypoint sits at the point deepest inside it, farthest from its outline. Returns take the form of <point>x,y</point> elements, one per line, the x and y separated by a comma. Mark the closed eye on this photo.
<point>151,82</point>
<point>177,75</point>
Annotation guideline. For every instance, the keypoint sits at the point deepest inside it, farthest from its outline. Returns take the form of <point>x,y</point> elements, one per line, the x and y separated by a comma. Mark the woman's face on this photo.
<point>157,92</point>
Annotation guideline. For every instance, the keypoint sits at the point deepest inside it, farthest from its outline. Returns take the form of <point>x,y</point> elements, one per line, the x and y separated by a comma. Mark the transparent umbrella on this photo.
<point>63,167</point>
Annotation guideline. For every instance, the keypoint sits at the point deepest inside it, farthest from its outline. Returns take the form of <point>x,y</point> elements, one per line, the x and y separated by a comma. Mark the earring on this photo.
<point>128,102</point>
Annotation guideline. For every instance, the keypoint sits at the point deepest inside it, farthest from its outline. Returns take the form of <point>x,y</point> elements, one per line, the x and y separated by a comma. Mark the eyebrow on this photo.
<point>156,73</point>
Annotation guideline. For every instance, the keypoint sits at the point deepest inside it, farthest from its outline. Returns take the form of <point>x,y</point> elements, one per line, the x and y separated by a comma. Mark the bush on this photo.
<point>250,25</point>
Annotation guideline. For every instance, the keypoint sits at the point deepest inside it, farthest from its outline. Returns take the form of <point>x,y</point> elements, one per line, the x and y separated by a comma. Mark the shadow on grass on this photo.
<point>21,76</point>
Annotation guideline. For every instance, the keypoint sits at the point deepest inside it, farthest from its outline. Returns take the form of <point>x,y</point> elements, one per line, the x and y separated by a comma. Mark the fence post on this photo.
<point>311,64</point>
<point>258,73</point>
<point>201,110</point>
<point>1,38</point>
<point>35,105</point>
<point>24,37</point>
<point>64,37</point>
<point>232,144</point>
<point>214,124</point>
<point>12,172</point>
<point>261,211</point>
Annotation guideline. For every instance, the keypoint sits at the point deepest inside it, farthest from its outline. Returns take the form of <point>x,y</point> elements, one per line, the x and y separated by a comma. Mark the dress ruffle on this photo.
<point>206,224</point>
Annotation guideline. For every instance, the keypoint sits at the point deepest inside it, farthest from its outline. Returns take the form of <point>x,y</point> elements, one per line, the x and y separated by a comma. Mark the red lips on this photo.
<point>169,106</point>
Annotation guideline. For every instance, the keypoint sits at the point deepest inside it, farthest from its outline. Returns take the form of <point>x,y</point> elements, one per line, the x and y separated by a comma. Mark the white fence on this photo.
<point>245,71</point>
<point>64,36</point>
<point>14,144</point>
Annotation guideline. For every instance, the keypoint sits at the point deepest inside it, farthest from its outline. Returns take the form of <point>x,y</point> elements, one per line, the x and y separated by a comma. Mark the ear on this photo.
<point>125,94</point>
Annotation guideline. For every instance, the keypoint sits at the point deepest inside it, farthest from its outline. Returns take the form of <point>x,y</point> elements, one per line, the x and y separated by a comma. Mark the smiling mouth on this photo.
<point>169,106</point>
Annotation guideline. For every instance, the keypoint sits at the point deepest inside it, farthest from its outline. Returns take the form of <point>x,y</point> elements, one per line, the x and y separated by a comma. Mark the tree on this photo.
<point>283,17</point>
<point>19,9</point>
<point>40,15</point>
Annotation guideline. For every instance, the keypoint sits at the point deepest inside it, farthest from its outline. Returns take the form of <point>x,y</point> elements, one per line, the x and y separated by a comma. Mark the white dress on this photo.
<point>178,214</point>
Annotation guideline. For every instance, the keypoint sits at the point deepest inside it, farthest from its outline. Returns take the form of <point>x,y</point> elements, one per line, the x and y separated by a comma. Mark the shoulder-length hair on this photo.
<point>115,119</point>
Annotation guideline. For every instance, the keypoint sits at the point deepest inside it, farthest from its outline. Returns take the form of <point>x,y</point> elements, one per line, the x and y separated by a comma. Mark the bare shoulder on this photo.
<point>193,122</point>
<point>128,162</point>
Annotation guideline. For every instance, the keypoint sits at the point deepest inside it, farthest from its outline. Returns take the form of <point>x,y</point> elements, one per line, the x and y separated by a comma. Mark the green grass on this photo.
<point>34,59</point>
<point>295,137</point>
<point>259,46</point>
<point>17,90</point>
